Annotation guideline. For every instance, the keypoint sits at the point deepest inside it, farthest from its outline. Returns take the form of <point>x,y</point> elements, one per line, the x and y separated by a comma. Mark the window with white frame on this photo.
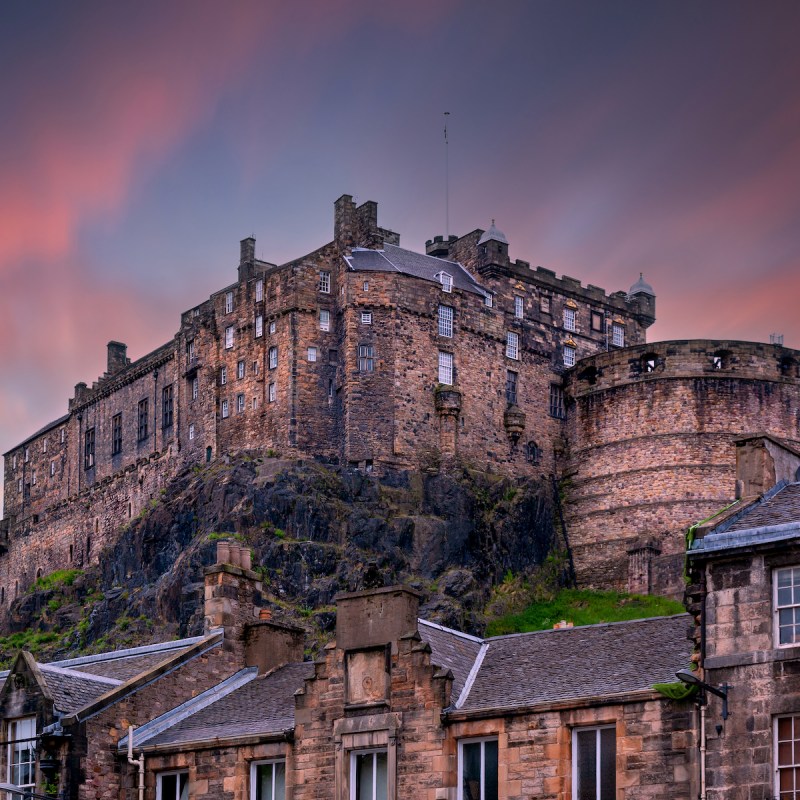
<point>366,358</point>
<point>446,280</point>
<point>44,445</point>
<point>14,461</point>
<point>569,355</point>
<point>33,472</point>
<point>225,409</point>
<point>272,327</point>
<point>195,388</point>
<point>477,769</point>
<point>172,786</point>
<point>229,337</point>
<point>324,319</point>
<point>19,485</point>
<point>366,318</point>
<point>240,370</point>
<point>259,290</point>
<point>445,321</point>
<point>273,357</point>
<point>22,752</point>
<point>488,300</point>
<point>787,758</point>
<point>570,316</point>
<point>27,456</point>
<point>519,307</point>
<point>365,286</point>
<point>786,602</point>
<point>223,376</point>
<point>369,776</point>
<point>259,326</point>
<point>255,403</point>
<point>312,354</point>
<point>594,763</point>
<point>191,431</point>
<point>63,435</point>
<point>52,468</point>
<point>239,403</point>
<point>618,335</point>
<point>228,302</point>
<point>445,368</point>
<point>271,393</point>
<point>512,345</point>
<point>325,282</point>
<point>255,368</point>
<point>268,780</point>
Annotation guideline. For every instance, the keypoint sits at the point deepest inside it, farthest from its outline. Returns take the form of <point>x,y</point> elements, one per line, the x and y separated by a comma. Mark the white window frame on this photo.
<point>240,369</point>
<point>240,403</point>
<point>273,357</point>
<point>195,388</point>
<point>445,368</point>
<point>223,376</point>
<point>570,319</point>
<point>255,403</point>
<point>366,318</point>
<point>354,754</point>
<point>598,758</point>
<point>44,445</point>
<point>445,321</point>
<point>570,355</point>
<point>52,468</point>
<point>366,358</point>
<point>14,461</point>
<point>519,307</point>
<point>324,281</point>
<point>272,327</point>
<point>27,457</point>
<point>254,765</point>
<point>488,300</point>
<point>271,394</point>
<point>19,741</point>
<point>512,345</point>
<point>482,741</point>
<point>63,435</point>
<point>365,286</point>
<point>229,337</point>
<point>19,485</point>
<point>33,472</point>
<point>179,773</point>
<point>793,607</point>
<point>446,279</point>
<point>259,326</point>
<point>225,409</point>
<point>311,354</point>
<point>259,290</point>
<point>617,334</point>
<point>324,319</point>
<point>191,431</point>
<point>228,302</point>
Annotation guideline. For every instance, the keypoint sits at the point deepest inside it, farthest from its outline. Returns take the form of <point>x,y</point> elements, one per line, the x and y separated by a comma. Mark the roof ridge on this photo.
<point>444,628</point>
<point>473,674</point>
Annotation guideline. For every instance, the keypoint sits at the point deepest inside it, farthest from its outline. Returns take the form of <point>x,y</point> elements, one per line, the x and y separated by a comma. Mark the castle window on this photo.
<point>366,318</point>
<point>190,357</point>
<point>195,388</point>
<point>44,445</point>
<point>721,359</point>
<point>229,337</point>
<point>597,321</point>
<point>225,411</point>
<point>14,461</point>
<point>446,280</point>
<point>488,300</point>
<point>52,468</point>
<point>512,345</point>
<point>27,455</point>
<point>368,775</point>
<point>22,752</point>
<point>519,307</point>
<point>511,387</point>
<point>273,357</point>
<point>191,431</point>
<point>570,317</point>
<point>365,286</point>
<point>259,290</point>
<point>223,376</point>
<point>533,453</point>
<point>239,403</point>
<point>569,355</point>
<point>556,401</point>
<point>33,475</point>
<point>618,334</point>
<point>445,368</point>
<point>787,764</point>
<point>268,780</point>
<point>649,362</point>
<point>366,358</point>
<point>786,604</point>
<point>19,485</point>
<point>255,403</point>
<point>143,417</point>
<point>312,354</point>
<point>116,434</point>
<point>240,370</point>
<point>167,406</point>
<point>594,768</point>
<point>88,450</point>
<point>271,393</point>
<point>272,327</point>
<point>172,786</point>
<point>325,281</point>
<point>255,368</point>
<point>445,321</point>
<point>259,326</point>
<point>63,435</point>
<point>544,304</point>
<point>228,302</point>
<point>324,319</point>
<point>477,769</point>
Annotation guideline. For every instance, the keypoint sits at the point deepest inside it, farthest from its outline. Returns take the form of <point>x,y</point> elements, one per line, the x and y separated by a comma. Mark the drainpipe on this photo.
<point>155,410</point>
<point>702,752</point>
<point>703,595</point>
<point>136,762</point>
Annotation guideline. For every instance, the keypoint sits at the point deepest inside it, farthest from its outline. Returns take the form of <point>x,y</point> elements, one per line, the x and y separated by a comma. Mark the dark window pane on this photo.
<point>608,764</point>
<point>471,774</point>
<point>490,770</point>
<point>587,765</point>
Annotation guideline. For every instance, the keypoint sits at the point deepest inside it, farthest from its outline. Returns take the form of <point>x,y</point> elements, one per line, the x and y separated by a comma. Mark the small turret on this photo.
<point>492,249</point>
<point>642,296</point>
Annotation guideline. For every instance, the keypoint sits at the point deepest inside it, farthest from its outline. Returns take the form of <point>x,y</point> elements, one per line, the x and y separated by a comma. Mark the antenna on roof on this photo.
<point>446,180</point>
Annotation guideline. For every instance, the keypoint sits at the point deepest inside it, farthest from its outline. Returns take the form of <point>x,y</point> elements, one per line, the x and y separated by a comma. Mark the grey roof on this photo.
<point>395,259</point>
<point>777,509</point>
<point>452,650</point>
<point>50,425</point>
<point>641,287</point>
<point>493,234</point>
<point>526,669</point>
<point>263,705</point>
<point>72,690</point>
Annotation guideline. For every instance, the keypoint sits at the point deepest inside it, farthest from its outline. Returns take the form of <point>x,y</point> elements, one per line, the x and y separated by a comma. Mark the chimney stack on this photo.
<point>117,358</point>
<point>762,461</point>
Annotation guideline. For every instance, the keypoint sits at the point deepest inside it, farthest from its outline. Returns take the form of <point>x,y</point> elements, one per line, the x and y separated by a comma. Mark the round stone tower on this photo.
<point>650,432</point>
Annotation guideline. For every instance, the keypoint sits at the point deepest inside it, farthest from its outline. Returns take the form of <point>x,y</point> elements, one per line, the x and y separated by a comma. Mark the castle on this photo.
<point>368,355</point>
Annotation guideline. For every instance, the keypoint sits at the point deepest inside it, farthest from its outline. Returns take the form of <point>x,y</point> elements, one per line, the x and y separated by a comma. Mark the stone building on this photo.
<point>368,355</point>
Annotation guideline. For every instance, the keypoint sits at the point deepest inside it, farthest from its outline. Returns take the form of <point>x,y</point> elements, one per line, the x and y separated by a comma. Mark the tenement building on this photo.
<point>368,355</point>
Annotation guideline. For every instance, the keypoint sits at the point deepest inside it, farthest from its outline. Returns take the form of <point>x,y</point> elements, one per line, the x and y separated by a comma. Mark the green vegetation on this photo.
<point>55,580</point>
<point>676,690</point>
<point>27,640</point>
<point>583,607</point>
<point>218,537</point>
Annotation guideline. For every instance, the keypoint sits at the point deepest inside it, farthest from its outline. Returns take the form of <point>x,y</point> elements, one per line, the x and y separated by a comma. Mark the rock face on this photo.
<point>313,532</point>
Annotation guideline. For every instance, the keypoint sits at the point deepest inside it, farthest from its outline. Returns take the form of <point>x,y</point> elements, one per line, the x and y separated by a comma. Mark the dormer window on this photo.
<point>446,280</point>
<point>488,300</point>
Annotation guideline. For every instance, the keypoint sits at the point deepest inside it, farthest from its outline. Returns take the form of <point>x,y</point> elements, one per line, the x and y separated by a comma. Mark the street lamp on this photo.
<point>22,792</point>
<point>688,677</point>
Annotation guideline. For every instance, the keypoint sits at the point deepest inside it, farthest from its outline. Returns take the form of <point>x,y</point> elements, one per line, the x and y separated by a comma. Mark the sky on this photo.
<point>139,142</point>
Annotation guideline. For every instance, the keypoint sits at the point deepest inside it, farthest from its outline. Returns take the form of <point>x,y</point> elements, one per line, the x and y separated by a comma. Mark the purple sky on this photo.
<point>140,142</point>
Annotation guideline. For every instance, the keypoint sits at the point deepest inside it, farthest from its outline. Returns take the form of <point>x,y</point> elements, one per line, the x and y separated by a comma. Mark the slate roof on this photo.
<point>73,690</point>
<point>527,669</point>
<point>780,508</point>
<point>407,262</point>
<point>49,426</point>
<point>263,705</point>
<point>452,650</point>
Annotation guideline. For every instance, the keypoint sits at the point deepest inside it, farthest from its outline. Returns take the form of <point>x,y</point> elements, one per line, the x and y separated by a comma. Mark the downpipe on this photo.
<point>136,762</point>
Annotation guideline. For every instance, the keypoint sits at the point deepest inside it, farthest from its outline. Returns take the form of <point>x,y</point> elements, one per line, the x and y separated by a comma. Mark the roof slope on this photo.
<point>526,669</point>
<point>407,262</point>
<point>73,690</point>
<point>452,650</point>
<point>778,509</point>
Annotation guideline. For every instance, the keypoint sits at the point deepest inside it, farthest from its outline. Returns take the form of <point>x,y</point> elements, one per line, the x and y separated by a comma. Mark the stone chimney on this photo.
<point>117,358</point>
<point>247,258</point>
<point>270,644</point>
<point>762,461</point>
<point>81,393</point>
<point>376,617</point>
